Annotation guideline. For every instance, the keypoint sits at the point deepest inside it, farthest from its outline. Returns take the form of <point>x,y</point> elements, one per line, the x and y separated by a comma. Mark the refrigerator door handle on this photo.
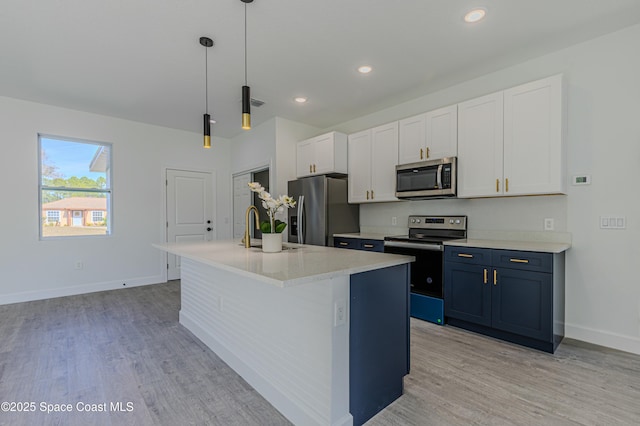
<point>301,219</point>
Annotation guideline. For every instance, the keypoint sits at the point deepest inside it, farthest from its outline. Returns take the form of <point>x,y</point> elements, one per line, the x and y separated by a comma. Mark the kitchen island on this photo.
<point>321,333</point>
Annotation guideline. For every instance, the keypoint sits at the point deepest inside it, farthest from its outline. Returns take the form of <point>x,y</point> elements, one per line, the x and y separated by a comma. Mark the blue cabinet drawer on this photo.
<point>468,255</point>
<point>371,245</point>
<point>522,260</point>
<point>348,243</point>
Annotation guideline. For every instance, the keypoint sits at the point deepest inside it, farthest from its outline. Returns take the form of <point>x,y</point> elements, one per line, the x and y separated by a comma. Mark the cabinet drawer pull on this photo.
<point>495,277</point>
<point>519,260</point>
<point>342,243</point>
<point>485,275</point>
<point>497,185</point>
<point>469,256</point>
<point>367,245</point>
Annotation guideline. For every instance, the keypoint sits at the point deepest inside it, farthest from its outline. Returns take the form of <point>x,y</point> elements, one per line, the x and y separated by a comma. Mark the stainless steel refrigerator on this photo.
<point>321,210</point>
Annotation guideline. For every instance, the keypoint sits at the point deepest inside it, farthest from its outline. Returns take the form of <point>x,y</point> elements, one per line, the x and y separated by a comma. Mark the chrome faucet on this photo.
<point>247,237</point>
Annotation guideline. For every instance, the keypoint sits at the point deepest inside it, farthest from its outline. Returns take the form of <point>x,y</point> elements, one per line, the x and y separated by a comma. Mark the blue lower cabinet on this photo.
<point>512,295</point>
<point>359,244</point>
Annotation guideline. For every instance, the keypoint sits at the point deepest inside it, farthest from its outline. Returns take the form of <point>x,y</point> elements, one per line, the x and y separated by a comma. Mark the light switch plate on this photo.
<point>581,180</point>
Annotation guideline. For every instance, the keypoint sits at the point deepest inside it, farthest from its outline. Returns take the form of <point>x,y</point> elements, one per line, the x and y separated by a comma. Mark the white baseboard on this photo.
<point>603,338</point>
<point>28,296</point>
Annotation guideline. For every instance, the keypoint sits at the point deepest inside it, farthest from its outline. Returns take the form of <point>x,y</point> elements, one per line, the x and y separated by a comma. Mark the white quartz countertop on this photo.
<point>296,264</point>
<point>539,246</point>
<point>362,235</point>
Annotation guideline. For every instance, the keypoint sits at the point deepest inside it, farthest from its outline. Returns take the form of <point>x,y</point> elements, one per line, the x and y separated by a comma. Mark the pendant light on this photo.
<point>207,43</point>
<point>246,91</point>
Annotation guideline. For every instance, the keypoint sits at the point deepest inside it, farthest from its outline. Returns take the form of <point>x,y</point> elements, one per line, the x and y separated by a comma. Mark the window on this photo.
<point>75,187</point>
<point>53,216</point>
<point>97,216</point>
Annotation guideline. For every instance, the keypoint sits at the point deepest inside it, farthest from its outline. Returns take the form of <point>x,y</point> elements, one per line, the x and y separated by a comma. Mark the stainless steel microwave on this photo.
<point>427,179</point>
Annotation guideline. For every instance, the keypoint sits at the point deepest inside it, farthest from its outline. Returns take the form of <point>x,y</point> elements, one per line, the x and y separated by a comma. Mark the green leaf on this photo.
<point>265,227</point>
<point>280,225</point>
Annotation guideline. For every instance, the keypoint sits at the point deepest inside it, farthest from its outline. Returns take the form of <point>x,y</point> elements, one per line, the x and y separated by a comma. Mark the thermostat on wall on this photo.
<point>581,180</point>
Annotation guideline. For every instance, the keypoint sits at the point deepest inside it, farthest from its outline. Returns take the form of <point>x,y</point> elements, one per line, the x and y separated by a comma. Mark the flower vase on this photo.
<point>271,243</point>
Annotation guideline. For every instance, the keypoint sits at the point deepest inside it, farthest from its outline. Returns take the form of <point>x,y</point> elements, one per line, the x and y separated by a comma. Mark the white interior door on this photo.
<point>189,211</point>
<point>241,200</point>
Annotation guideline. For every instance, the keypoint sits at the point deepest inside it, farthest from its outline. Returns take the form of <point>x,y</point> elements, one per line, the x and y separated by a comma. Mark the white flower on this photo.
<point>270,204</point>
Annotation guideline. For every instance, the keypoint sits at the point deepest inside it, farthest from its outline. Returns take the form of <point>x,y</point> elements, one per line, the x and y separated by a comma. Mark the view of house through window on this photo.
<point>75,187</point>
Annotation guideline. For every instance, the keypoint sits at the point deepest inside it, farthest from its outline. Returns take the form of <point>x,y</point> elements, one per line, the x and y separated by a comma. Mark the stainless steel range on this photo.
<point>425,243</point>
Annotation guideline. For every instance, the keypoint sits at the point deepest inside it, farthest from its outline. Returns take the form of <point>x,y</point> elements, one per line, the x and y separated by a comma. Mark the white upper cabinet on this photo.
<point>321,155</point>
<point>427,136</point>
<point>480,146</point>
<point>511,142</point>
<point>533,138</point>
<point>373,156</point>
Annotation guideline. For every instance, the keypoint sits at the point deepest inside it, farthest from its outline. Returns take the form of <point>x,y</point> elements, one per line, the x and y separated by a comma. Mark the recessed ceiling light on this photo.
<point>365,69</point>
<point>300,99</point>
<point>475,15</point>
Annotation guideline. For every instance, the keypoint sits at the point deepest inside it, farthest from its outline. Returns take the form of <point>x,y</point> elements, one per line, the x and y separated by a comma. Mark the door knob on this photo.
<point>208,221</point>
<point>209,229</point>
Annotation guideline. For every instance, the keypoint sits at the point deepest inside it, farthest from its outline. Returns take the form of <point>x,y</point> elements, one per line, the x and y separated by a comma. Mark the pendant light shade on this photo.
<point>246,108</point>
<point>207,43</point>
<point>246,91</point>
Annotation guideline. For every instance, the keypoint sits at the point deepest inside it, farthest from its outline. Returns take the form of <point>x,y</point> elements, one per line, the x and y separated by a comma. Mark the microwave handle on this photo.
<point>439,177</point>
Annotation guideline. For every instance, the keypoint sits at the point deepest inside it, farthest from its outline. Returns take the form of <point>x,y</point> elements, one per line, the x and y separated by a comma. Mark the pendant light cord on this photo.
<point>206,80</point>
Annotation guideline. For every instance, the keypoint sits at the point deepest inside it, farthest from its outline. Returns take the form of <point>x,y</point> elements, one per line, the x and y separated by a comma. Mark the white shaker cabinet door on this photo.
<point>412,142</point>
<point>384,158</point>
<point>533,133</point>
<point>359,157</point>
<point>442,133</point>
<point>480,147</point>
<point>305,151</point>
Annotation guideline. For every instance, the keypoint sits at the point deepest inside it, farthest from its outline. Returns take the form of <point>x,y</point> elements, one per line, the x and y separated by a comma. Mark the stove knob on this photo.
<point>413,221</point>
<point>451,221</point>
<point>417,220</point>
<point>458,221</point>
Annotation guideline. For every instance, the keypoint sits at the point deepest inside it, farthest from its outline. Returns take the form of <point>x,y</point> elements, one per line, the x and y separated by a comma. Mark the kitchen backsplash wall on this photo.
<point>495,218</point>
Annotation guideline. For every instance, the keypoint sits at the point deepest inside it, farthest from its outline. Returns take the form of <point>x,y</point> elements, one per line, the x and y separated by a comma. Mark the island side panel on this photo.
<point>282,341</point>
<point>379,340</point>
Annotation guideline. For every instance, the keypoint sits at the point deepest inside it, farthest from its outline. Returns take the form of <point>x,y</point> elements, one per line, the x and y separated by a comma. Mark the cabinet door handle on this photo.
<point>469,256</point>
<point>367,195</point>
<point>497,185</point>
<point>485,275</point>
<point>310,168</point>
<point>367,245</point>
<point>314,168</point>
<point>342,243</point>
<point>495,277</point>
<point>372,194</point>
<point>421,154</point>
<point>427,153</point>
<point>519,260</point>
<point>506,185</point>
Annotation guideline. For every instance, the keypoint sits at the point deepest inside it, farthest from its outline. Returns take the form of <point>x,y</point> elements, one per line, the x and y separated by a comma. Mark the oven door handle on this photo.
<point>419,246</point>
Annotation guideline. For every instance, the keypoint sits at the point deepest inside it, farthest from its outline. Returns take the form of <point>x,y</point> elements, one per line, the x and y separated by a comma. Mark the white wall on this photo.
<point>602,284</point>
<point>34,269</point>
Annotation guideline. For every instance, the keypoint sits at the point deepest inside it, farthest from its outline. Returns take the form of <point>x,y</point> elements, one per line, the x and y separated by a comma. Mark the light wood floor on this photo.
<point>127,346</point>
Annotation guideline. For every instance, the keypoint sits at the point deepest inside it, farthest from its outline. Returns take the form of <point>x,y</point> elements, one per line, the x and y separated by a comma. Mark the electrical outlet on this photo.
<point>549,224</point>
<point>394,220</point>
<point>79,264</point>
<point>339,313</point>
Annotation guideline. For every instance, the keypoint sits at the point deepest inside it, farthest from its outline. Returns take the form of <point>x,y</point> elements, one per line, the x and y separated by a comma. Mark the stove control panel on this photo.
<point>438,222</point>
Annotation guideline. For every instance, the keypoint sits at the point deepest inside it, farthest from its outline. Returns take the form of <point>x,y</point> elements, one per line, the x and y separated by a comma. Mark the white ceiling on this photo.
<point>141,59</point>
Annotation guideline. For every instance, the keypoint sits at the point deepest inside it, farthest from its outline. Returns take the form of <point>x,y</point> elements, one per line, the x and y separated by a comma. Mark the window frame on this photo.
<point>108,190</point>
